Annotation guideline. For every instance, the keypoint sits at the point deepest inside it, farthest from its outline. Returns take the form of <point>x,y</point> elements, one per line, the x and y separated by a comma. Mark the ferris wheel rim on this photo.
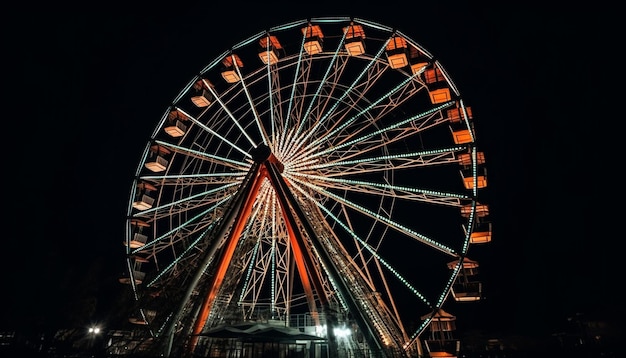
<point>360,134</point>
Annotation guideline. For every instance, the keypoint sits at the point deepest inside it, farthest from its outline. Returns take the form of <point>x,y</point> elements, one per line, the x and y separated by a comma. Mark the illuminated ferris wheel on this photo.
<point>322,173</point>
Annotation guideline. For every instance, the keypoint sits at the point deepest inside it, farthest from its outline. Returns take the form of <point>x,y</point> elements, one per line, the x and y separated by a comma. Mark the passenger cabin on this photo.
<point>175,126</point>
<point>418,60</point>
<point>466,287</point>
<point>313,39</point>
<point>481,210</point>
<point>202,95</point>
<point>157,161</point>
<point>143,319</point>
<point>397,53</point>
<point>473,175</point>
<point>139,239</point>
<point>465,159</point>
<point>354,44</point>
<point>481,233</point>
<point>437,85</point>
<point>474,179</point>
<point>269,47</point>
<point>138,277</point>
<point>143,201</point>
<point>460,124</point>
<point>231,63</point>
<point>440,341</point>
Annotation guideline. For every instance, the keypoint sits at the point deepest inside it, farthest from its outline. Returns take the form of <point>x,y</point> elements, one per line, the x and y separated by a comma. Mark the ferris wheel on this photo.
<point>325,168</point>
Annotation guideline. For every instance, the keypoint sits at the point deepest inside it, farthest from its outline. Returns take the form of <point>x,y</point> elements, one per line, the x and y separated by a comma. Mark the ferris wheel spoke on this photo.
<point>374,73</point>
<point>274,118</point>
<point>426,117</point>
<point>364,246</point>
<point>327,136</point>
<point>199,199</point>
<point>384,190</point>
<point>220,160</point>
<point>391,223</point>
<point>212,132</point>
<point>185,255</point>
<point>322,82</point>
<point>371,80</point>
<point>336,172</point>
<point>198,221</point>
<point>230,115</point>
<point>173,179</point>
<point>257,120</point>
<point>342,167</point>
<point>287,119</point>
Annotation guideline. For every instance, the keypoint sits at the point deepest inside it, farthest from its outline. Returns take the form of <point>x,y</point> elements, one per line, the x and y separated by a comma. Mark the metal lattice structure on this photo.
<point>327,167</point>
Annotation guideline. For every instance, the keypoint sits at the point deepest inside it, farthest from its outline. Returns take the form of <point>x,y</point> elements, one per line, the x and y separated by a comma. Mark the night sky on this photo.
<point>87,89</point>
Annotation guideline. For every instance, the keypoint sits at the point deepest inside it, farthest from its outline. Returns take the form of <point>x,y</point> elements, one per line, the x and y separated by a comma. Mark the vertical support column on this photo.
<point>289,201</point>
<point>229,217</point>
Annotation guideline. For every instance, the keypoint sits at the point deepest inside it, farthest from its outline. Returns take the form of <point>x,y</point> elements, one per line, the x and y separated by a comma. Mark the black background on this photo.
<point>86,86</point>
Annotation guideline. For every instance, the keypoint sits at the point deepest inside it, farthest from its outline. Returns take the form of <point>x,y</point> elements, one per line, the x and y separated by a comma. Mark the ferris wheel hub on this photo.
<point>261,153</point>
